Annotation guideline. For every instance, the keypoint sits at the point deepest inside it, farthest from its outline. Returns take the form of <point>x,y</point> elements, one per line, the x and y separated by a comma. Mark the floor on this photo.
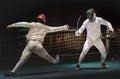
<point>90,69</point>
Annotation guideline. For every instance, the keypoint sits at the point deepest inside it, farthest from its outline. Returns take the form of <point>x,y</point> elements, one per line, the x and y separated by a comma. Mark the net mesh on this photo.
<point>65,43</point>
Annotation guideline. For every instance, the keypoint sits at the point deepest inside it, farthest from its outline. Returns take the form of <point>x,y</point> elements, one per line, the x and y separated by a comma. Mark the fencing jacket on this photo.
<point>94,28</point>
<point>37,30</point>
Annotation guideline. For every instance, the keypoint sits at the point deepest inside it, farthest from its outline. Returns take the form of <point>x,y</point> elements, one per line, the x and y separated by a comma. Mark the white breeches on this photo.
<point>97,43</point>
<point>33,47</point>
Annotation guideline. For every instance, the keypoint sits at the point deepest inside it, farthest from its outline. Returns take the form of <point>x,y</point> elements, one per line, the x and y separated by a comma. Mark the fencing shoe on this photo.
<point>77,67</point>
<point>9,74</point>
<point>57,58</point>
<point>103,65</point>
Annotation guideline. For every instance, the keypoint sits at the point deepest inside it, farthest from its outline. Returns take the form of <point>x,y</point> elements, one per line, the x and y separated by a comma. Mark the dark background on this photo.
<point>58,12</point>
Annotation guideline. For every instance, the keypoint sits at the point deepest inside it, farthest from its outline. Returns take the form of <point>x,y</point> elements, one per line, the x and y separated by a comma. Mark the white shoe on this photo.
<point>57,58</point>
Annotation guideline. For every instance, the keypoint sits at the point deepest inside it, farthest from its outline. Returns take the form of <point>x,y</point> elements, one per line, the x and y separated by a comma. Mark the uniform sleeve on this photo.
<point>22,24</point>
<point>81,29</point>
<point>59,28</point>
<point>106,23</point>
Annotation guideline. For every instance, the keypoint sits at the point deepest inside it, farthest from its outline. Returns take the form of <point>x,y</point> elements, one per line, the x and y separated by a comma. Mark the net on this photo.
<point>65,43</point>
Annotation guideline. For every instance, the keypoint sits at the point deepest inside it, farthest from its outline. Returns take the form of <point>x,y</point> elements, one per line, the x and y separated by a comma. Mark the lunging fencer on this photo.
<point>93,38</point>
<point>35,38</point>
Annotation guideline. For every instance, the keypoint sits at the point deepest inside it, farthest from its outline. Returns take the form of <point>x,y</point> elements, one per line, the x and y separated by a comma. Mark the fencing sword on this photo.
<point>78,21</point>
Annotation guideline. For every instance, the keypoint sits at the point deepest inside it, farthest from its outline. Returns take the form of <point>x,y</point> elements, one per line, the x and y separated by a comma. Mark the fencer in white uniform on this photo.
<point>35,38</point>
<point>93,38</point>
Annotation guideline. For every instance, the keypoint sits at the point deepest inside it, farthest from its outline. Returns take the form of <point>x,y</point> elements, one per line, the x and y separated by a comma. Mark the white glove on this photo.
<point>111,30</point>
<point>9,26</point>
<point>66,27</point>
<point>77,33</point>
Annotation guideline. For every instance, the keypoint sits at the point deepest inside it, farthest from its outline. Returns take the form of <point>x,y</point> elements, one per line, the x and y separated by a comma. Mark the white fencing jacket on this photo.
<point>37,30</point>
<point>94,28</point>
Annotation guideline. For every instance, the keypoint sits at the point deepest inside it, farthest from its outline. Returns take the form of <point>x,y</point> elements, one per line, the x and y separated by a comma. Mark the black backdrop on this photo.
<point>58,12</point>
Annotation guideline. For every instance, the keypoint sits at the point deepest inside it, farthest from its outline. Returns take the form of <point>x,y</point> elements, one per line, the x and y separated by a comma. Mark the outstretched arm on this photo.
<point>20,24</point>
<point>60,28</point>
